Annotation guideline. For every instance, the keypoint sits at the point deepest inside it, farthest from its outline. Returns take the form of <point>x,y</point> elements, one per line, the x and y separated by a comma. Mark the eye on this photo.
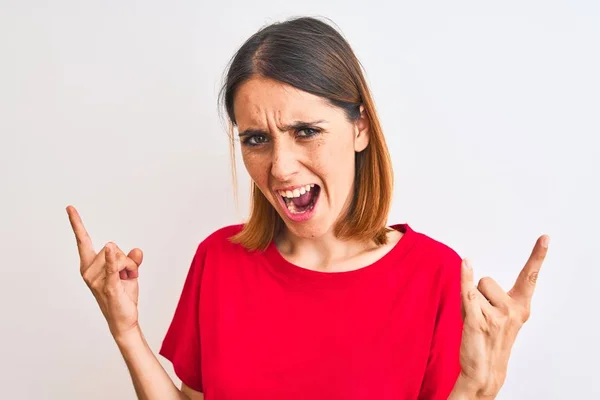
<point>255,140</point>
<point>307,132</point>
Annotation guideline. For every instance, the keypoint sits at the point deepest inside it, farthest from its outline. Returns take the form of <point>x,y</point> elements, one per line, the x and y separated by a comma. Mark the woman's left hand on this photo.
<point>492,320</point>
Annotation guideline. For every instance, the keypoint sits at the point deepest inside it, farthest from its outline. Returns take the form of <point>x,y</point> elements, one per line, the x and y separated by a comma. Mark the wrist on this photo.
<point>465,389</point>
<point>128,338</point>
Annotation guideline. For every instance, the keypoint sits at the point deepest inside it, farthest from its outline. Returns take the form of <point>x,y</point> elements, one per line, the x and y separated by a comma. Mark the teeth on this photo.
<point>292,208</point>
<point>290,194</point>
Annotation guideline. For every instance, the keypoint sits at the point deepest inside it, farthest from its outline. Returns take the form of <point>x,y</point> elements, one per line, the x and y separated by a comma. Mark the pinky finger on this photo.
<point>470,295</point>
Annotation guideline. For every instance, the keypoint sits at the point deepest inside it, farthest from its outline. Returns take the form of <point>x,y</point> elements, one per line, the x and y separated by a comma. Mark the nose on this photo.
<point>285,163</point>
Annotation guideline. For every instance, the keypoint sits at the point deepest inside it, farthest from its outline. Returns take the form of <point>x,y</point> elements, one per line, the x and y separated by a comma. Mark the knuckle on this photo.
<point>495,324</point>
<point>525,314</point>
<point>533,277</point>
<point>519,314</point>
<point>107,245</point>
<point>513,315</point>
<point>471,294</point>
<point>109,291</point>
<point>86,275</point>
<point>95,287</point>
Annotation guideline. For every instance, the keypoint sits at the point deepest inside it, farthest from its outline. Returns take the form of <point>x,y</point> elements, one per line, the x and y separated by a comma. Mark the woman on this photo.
<point>314,297</point>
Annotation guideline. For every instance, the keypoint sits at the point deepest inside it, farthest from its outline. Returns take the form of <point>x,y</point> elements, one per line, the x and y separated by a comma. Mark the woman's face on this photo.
<point>299,150</point>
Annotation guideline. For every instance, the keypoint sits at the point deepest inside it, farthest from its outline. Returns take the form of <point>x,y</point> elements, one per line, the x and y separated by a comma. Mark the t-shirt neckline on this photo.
<point>291,270</point>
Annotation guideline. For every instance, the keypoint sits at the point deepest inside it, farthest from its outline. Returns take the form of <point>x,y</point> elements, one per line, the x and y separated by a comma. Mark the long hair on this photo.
<point>312,56</point>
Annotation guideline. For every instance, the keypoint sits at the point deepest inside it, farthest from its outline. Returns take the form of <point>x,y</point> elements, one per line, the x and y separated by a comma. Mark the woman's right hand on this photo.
<point>111,276</point>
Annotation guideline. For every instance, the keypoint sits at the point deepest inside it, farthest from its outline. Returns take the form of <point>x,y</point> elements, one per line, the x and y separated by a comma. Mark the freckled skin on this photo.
<point>289,158</point>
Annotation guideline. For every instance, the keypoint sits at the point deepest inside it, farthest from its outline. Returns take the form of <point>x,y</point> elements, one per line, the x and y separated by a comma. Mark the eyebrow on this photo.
<point>295,126</point>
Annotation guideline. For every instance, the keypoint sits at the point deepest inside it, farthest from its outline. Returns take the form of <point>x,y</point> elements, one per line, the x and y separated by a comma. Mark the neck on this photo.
<point>322,253</point>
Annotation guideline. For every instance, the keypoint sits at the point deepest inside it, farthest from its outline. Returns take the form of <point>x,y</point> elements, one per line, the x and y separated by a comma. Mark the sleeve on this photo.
<point>181,344</point>
<point>443,365</point>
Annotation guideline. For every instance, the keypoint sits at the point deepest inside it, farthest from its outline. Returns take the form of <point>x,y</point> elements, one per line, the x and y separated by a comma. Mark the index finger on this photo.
<point>84,242</point>
<point>526,281</point>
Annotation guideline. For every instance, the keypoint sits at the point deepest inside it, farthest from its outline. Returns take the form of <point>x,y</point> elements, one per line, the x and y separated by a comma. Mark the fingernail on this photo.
<point>467,263</point>
<point>545,241</point>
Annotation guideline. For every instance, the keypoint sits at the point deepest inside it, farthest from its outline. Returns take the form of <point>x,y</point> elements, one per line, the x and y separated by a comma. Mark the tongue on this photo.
<point>304,199</point>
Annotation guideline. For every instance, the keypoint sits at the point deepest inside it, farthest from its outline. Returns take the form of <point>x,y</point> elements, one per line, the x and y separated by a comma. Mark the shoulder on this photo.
<point>430,250</point>
<point>439,261</point>
<point>438,249</point>
<point>219,241</point>
<point>222,235</point>
<point>217,245</point>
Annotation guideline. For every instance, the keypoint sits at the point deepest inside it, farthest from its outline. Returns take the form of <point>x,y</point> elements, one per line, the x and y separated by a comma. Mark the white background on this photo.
<point>490,109</point>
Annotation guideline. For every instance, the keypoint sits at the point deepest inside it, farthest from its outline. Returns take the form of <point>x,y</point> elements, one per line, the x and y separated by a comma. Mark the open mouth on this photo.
<point>301,200</point>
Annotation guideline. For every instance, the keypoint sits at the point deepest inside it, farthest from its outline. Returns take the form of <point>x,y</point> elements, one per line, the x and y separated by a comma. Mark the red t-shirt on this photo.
<point>251,325</point>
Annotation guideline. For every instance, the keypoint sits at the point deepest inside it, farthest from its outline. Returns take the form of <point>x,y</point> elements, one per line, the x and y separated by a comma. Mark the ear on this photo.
<point>361,131</point>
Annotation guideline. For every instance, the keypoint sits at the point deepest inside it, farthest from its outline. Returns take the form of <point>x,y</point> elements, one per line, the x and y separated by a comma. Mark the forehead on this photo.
<point>261,99</point>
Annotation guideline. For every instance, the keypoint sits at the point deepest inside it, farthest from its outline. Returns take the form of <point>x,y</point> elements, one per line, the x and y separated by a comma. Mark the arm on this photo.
<point>150,380</point>
<point>463,390</point>
<point>191,393</point>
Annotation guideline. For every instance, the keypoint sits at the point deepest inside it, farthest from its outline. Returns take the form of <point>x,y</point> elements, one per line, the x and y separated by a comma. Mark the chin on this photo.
<point>309,230</point>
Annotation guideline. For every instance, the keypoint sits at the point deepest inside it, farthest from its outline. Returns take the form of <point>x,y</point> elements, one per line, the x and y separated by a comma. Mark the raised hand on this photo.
<point>111,276</point>
<point>492,320</point>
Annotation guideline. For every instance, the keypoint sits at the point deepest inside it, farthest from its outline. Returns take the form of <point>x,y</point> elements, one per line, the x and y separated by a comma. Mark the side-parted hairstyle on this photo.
<point>312,56</point>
